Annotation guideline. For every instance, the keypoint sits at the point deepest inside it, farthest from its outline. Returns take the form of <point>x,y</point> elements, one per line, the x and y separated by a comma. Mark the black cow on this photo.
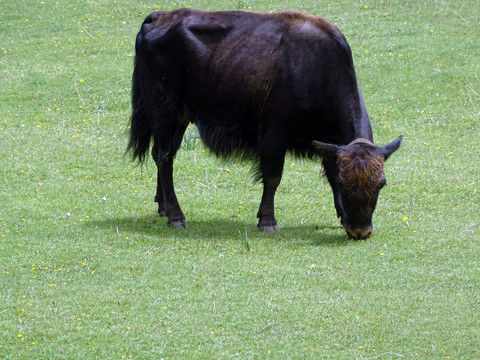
<point>256,85</point>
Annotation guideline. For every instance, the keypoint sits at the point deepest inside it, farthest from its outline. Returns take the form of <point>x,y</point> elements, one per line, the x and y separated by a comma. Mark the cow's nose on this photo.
<point>360,233</point>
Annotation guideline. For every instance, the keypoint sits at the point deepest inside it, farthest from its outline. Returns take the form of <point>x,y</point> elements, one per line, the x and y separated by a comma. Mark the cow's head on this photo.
<point>355,172</point>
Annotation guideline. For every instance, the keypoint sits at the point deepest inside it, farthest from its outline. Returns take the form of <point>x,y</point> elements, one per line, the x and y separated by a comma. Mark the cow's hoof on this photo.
<point>178,224</point>
<point>268,228</point>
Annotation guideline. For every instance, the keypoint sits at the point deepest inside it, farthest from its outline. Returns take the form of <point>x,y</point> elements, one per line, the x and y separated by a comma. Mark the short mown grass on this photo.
<point>88,270</point>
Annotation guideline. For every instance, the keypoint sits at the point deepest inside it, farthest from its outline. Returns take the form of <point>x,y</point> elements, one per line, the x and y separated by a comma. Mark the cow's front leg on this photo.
<point>271,167</point>
<point>266,212</point>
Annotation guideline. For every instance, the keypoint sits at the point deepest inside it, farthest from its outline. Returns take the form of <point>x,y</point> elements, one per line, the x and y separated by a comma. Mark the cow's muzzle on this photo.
<point>359,233</point>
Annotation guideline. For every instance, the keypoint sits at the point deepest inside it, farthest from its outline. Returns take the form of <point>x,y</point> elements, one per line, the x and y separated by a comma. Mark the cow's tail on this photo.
<point>141,121</point>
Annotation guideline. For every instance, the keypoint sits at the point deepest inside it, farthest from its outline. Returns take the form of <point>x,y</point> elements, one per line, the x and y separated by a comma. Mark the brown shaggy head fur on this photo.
<point>361,168</point>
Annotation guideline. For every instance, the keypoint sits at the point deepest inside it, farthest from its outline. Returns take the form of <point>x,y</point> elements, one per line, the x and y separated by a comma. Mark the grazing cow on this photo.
<point>258,86</point>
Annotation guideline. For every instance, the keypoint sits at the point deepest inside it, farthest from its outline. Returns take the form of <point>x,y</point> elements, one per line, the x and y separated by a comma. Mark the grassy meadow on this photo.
<point>89,271</point>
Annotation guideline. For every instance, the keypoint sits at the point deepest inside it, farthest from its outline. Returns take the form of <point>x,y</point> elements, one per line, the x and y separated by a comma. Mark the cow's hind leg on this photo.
<point>166,198</point>
<point>167,140</point>
<point>271,168</point>
<point>159,198</point>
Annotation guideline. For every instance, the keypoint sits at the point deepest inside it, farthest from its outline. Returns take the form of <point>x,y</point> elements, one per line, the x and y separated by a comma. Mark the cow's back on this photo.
<point>289,72</point>
<point>242,52</point>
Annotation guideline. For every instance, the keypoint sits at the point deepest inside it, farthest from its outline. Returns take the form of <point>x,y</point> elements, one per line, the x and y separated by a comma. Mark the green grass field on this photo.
<point>89,271</point>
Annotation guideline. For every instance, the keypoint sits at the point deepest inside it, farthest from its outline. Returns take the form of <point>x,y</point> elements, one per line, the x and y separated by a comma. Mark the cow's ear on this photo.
<point>389,149</point>
<point>326,151</point>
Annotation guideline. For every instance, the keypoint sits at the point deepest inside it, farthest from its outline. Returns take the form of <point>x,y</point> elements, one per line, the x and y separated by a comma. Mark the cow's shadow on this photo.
<point>152,226</point>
